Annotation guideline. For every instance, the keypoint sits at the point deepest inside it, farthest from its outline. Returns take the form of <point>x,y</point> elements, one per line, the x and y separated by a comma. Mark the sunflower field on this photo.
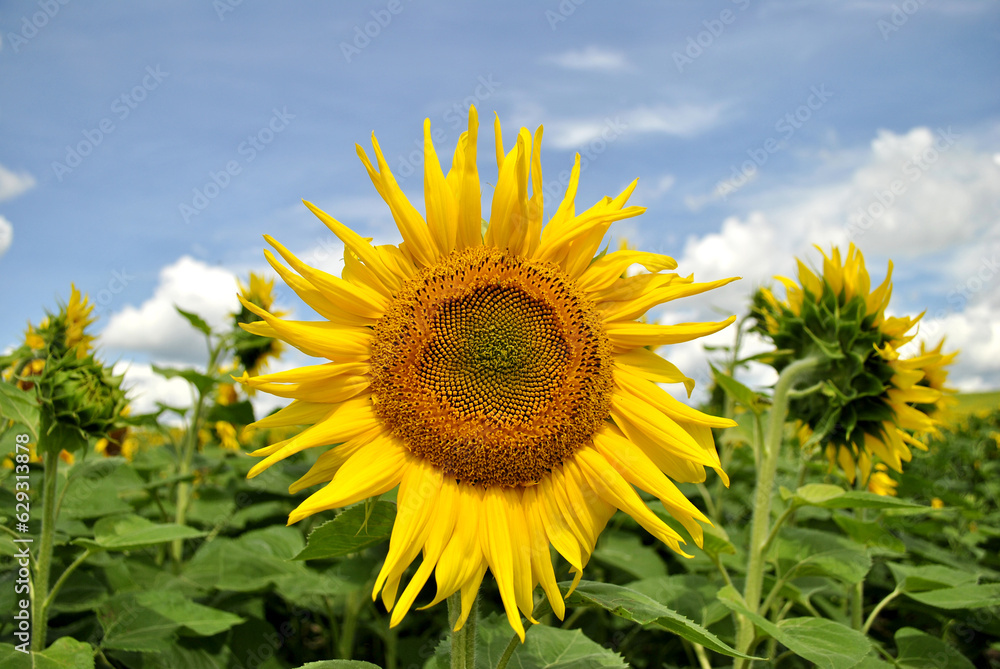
<point>443,488</point>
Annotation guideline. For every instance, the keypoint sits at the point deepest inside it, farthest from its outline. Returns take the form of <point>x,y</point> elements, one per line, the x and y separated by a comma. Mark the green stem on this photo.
<point>43,563</point>
<point>878,609</point>
<point>66,574</point>
<point>184,468</point>
<point>463,641</point>
<point>515,641</point>
<point>857,604</point>
<point>762,503</point>
<point>352,607</point>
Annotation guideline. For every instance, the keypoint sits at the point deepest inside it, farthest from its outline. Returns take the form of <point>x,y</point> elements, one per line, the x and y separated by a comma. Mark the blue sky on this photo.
<point>146,147</point>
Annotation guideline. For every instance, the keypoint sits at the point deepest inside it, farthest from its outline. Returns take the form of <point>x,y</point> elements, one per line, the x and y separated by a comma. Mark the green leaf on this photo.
<point>197,321</point>
<point>814,494</point>
<point>825,643</point>
<point>130,626</point>
<point>738,391</point>
<point>65,653</point>
<point>202,382</point>
<point>928,577</point>
<point>870,534</point>
<point>918,650</point>
<point>349,533</point>
<point>124,533</point>
<point>254,561</point>
<point>817,553</point>
<point>21,407</point>
<point>862,499</point>
<point>544,648</point>
<point>962,597</point>
<point>625,551</point>
<point>237,413</point>
<point>641,609</point>
<point>340,664</point>
<point>202,620</point>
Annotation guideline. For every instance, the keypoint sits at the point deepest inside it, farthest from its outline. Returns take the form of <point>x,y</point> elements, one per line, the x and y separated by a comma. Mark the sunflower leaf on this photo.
<point>21,407</point>
<point>825,643</point>
<point>643,610</point>
<point>916,648</point>
<point>739,392</point>
<point>351,531</point>
<point>961,597</point>
<point>65,653</point>
<point>339,664</point>
<point>195,320</point>
<point>124,533</point>
<point>202,382</point>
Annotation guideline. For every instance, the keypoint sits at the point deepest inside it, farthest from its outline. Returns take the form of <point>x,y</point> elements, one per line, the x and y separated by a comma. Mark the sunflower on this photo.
<point>253,353</point>
<point>870,400</point>
<point>495,372</point>
<point>936,377</point>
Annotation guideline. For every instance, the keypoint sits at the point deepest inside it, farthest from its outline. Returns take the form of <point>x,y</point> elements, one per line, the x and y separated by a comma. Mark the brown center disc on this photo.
<point>492,367</point>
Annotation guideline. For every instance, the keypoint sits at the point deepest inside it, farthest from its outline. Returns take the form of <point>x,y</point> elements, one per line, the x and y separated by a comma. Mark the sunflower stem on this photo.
<point>515,641</point>
<point>190,443</point>
<point>760,530</point>
<point>43,563</point>
<point>463,641</point>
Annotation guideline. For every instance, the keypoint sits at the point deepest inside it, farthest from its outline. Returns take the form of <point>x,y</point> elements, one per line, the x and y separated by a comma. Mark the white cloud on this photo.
<point>683,120</point>
<point>156,328</point>
<point>592,58</point>
<point>6,235</point>
<point>13,184</point>
<point>146,388</point>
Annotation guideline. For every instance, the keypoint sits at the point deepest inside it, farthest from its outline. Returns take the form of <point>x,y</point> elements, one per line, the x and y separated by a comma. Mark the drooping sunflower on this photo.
<point>870,400</point>
<point>495,372</point>
<point>253,353</point>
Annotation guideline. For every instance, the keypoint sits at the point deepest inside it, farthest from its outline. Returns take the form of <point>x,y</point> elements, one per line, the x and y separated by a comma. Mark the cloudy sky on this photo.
<point>146,147</point>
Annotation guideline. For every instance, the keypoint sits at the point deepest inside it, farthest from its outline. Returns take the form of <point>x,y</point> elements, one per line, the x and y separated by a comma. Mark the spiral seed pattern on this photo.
<point>492,367</point>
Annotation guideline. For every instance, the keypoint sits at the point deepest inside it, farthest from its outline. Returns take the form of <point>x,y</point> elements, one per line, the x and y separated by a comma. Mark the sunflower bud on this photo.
<point>80,397</point>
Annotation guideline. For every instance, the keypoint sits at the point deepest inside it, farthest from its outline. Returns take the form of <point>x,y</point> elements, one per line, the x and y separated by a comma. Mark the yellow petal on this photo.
<point>627,336</point>
<point>362,249</point>
<point>408,220</point>
<point>373,470</point>
<point>616,491</point>
<point>357,299</point>
<point>463,179</point>
<point>416,504</point>
<point>604,271</point>
<point>347,420</point>
<point>495,540</point>
<point>439,200</point>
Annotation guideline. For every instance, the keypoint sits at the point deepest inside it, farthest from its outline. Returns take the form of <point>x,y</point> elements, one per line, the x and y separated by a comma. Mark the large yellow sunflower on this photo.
<point>496,374</point>
<point>872,399</point>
